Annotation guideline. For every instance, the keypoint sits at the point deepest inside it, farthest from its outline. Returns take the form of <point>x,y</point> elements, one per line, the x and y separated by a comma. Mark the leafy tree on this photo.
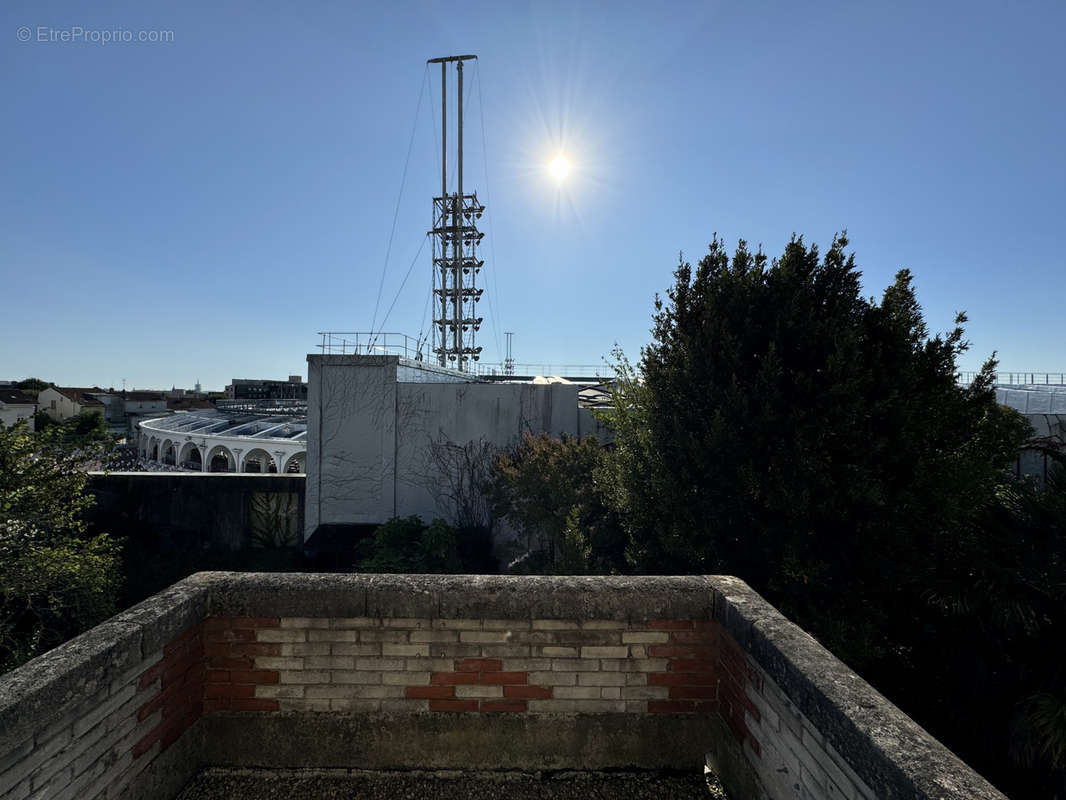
<point>32,385</point>
<point>785,429</point>
<point>84,428</point>
<point>550,490</point>
<point>996,613</point>
<point>55,579</point>
<point>407,545</point>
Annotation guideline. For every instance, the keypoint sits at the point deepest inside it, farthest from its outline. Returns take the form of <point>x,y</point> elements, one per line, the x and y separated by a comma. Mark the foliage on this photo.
<point>995,614</point>
<point>407,545</point>
<point>812,441</point>
<point>84,429</point>
<point>32,385</point>
<point>55,579</point>
<point>785,429</point>
<point>548,489</point>
<point>274,520</point>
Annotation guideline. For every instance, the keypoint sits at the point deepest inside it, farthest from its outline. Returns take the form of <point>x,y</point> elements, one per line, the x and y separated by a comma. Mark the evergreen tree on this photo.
<point>785,429</point>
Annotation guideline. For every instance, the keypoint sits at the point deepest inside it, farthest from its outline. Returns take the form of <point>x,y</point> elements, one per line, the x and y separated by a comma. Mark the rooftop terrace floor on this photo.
<point>262,784</point>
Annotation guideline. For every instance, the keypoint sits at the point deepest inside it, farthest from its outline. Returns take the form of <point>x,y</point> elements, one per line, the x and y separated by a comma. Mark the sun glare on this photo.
<point>559,167</point>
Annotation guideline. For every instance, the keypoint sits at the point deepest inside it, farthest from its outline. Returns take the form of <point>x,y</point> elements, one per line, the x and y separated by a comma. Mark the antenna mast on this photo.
<point>508,363</point>
<point>455,241</point>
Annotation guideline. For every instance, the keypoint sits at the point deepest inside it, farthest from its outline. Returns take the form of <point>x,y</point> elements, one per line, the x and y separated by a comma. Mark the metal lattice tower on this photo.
<point>455,241</point>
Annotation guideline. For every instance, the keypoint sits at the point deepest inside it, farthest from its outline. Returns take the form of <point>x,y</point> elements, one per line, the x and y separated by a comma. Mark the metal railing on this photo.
<point>562,370</point>
<point>265,407</point>
<point>399,344</point>
<point>1009,378</point>
<point>364,343</point>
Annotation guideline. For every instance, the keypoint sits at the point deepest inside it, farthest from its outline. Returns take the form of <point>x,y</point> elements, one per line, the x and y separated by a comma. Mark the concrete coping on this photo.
<point>635,599</point>
<point>888,750</point>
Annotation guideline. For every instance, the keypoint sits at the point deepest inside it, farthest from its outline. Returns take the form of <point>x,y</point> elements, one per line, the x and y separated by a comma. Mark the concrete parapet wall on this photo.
<point>88,719</point>
<point>484,672</point>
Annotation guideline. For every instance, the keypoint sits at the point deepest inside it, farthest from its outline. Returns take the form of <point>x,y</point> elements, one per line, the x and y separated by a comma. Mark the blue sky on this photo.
<point>199,208</point>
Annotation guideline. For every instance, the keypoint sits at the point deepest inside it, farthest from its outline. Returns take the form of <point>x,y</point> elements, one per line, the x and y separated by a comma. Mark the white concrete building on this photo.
<point>1045,408</point>
<point>390,436</point>
<point>16,406</point>
<point>219,441</point>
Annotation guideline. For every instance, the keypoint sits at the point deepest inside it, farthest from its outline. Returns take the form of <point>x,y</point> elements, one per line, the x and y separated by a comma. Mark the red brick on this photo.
<point>682,679</point>
<point>452,678</point>
<point>680,651</point>
<point>254,676</point>
<point>216,676</point>
<point>146,742</point>
<point>180,702</point>
<point>256,648</point>
<point>670,624</point>
<point>159,701</point>
<point>692,637</point>
<point>182,642</point>
<point>168,738</point>
<point>230,635</point>
<point>693,692</point>
<point>502,677</point>
<point>252,704</point>
<point>503,706</point>
<point>195,674</point>
<point>693,665</point>
<point>255,622</point>
<point>528,692</point>
<point>216,704</point>
<point>479,665</point>
<point>739,702</point>
<point>734,660</point>
<point>708,625</point>
<point>151,674</point>
<point>670,706</point>
<point>431,692</point>
<point>217,648</point>
<point>231,662</point>
<point>707,706</point>
<point>755,746</point>
<point>229,690</point>
<point>734,680</point>
<point>176,670</point>
<point>171,733</point>
<point>736,724</point>
<point>453,705</point>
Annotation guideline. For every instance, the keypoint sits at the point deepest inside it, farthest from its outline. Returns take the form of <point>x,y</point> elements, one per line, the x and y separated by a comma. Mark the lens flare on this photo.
<point>559,167</point>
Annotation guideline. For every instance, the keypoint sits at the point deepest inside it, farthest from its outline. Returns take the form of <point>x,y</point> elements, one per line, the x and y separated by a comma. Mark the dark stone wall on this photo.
<point>213,509</point>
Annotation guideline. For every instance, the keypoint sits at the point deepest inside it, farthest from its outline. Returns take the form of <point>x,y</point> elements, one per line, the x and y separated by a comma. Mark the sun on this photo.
<point>559,167</point>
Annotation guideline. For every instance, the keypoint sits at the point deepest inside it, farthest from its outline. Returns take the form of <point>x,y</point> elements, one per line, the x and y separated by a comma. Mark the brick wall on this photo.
<point>787,751</point>
<point>536,666</point>
<point>100,745</point>
<point>458,672</point>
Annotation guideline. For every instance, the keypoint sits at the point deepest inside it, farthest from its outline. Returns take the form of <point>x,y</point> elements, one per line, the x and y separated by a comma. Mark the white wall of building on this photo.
<point>13,413</point>
<point>373,422</point>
